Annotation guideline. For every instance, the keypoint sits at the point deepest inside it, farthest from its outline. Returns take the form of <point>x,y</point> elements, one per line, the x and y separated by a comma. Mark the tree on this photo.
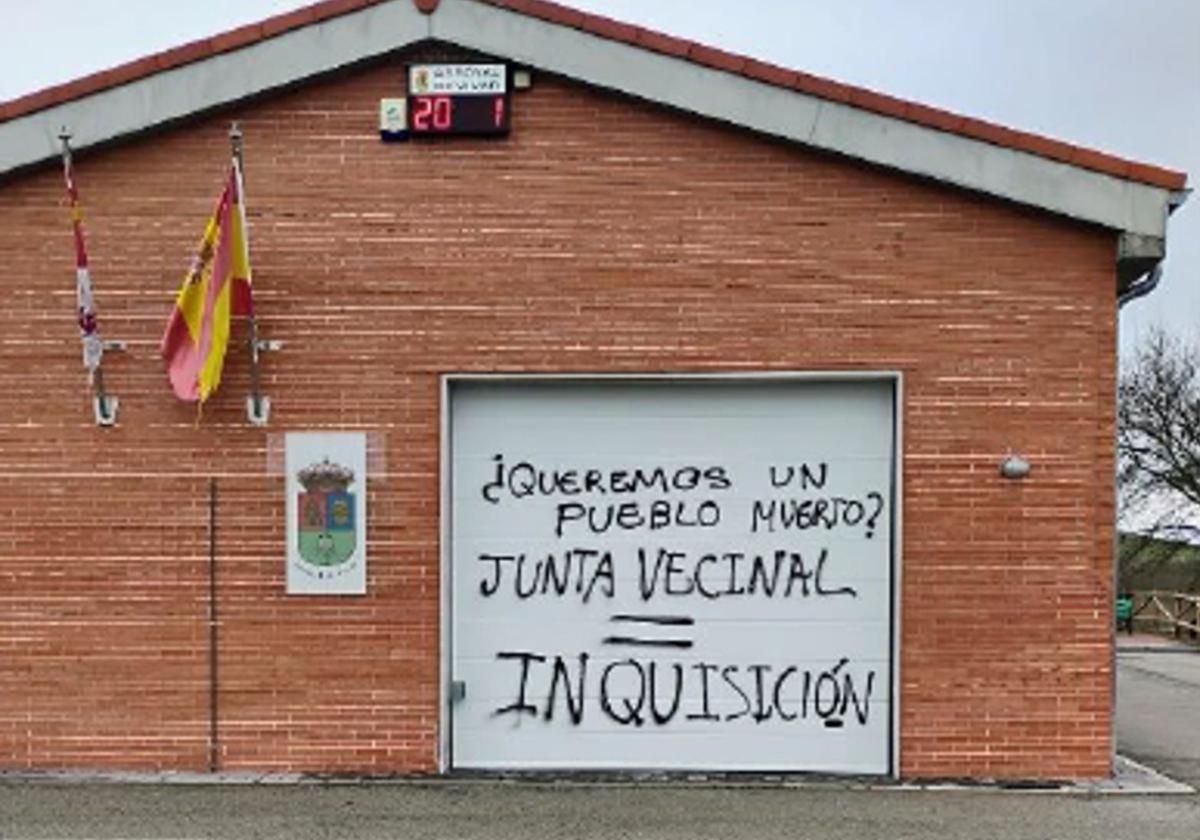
<point>1158,429</point>
<point>1158,460</point>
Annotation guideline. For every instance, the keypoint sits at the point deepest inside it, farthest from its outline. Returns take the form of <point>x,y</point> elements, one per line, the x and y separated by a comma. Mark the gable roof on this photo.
<point>1125,195</point>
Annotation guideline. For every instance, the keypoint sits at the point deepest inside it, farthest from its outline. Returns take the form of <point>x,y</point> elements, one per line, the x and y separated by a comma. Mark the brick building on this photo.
<point>685,402</point>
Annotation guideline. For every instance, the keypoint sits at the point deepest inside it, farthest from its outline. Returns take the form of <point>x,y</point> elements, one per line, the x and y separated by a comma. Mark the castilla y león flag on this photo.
<point>93,347</point>
<point>217,286</point>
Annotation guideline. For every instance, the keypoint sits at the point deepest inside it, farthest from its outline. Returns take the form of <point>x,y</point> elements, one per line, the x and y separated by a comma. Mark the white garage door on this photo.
<point>672,574</point>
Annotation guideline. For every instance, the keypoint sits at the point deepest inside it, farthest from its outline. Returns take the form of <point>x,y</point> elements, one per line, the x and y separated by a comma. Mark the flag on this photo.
<point>93,347</point>
<point>216,286</point>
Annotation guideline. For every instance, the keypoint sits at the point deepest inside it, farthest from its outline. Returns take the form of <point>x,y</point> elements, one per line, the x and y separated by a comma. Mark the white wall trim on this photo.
<point>897,379</point>
<point>445,623</point>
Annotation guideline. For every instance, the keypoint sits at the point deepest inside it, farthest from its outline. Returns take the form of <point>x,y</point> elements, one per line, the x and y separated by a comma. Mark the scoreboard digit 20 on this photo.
<point>449,99</point>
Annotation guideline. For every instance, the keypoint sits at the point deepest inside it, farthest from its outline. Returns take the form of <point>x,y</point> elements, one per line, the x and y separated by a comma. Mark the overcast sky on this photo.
<point>1122,76</point>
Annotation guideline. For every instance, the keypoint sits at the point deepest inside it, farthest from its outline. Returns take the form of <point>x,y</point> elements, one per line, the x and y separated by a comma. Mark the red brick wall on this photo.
<point>603,235</point>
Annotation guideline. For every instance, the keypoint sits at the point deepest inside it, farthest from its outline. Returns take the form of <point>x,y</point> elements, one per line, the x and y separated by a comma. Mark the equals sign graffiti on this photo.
<point>654,621</point>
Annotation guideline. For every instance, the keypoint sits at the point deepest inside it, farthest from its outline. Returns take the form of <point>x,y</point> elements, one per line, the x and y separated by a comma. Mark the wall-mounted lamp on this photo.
<point>1014,466</point>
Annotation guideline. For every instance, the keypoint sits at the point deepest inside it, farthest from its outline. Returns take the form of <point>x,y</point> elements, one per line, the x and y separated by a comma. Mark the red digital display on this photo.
<point>458,114</point>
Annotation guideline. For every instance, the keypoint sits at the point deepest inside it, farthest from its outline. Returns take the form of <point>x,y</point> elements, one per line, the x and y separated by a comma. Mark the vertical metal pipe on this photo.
<point>213,742</point>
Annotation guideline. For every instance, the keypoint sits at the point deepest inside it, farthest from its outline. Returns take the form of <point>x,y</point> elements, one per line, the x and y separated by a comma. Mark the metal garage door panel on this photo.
<point>728,607</point>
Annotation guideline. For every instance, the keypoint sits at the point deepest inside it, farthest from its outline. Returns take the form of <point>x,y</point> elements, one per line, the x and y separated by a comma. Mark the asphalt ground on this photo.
<point>530,811</point>
<point>1158,706</point>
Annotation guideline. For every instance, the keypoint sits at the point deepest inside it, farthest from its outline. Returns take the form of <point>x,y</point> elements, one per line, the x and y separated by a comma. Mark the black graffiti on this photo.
<point>524,479</point>
<point>521,705</point>
<point>706,712</point>
<point>827,512</point>
<point>579,570</point>
<point>784,573</point>
<point>654,622</point>
<point>668,620</point>
<point>637,641</point>
<point>805,475</point>
<point>631,516</point>
<point>628,712</point>
<point>636,691</point>
<point>574,698</point>
<point>585,572</point>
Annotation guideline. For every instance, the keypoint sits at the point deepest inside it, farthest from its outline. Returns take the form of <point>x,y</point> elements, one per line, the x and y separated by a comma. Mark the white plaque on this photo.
<point>392,116</point>
<point>457,79</point>
<point>326,482</point>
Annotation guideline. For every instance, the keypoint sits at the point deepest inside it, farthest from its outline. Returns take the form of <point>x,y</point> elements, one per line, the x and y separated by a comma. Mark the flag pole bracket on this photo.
<point>258,405</point>
<point>104,407</point>
<point>104,404</point>
<point>258,409</point>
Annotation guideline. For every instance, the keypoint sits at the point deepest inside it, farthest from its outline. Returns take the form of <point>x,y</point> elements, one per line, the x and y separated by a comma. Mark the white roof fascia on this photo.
<point>212,82</point>
<point>831,126</point>
<point>1009,174</point>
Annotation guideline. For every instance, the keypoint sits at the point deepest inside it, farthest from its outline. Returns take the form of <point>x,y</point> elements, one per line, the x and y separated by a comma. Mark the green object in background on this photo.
<point>1125,613</point>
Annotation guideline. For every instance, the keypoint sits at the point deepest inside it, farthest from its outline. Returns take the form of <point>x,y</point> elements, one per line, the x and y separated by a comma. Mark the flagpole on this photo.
<point>213,639</point>
<point>105,407</point>
<point>257,406</point>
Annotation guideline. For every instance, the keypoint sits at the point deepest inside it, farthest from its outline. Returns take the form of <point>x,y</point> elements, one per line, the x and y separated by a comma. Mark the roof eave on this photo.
<point>1122,204</point>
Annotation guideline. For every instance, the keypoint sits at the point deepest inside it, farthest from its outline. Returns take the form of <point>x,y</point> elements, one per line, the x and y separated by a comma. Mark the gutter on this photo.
<point>1141,287</point>
<point>1140,258</point>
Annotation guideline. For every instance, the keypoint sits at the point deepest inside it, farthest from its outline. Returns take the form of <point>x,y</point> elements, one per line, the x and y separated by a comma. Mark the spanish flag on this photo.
<point>217,286</point>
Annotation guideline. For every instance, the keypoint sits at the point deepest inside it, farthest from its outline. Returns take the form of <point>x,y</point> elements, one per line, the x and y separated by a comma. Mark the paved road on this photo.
<point>1158,709</point>
<point>530,812</point>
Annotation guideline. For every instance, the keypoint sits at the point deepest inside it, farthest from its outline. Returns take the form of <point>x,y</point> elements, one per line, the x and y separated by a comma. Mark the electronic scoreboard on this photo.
<point>449,99</point>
